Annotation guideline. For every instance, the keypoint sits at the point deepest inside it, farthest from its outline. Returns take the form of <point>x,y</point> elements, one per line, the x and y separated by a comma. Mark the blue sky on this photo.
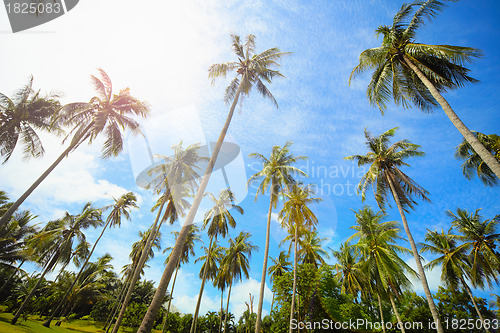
<point>162,51</point>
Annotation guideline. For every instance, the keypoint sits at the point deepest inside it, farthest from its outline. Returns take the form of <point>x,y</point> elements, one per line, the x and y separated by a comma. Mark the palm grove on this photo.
<point>369,278</point>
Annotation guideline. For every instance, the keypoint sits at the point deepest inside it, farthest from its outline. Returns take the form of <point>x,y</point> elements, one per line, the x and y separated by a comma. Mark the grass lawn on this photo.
<point>34,325</point>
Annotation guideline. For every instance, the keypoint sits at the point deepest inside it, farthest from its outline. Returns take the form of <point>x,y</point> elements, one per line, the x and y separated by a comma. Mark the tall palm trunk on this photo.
<point>205,270</point>
<point>228,297</point>
<point>466,287</point>
<point>119,300</point>
<point>164,329</point>
<point>402,327</point>
<point>49,266</point>
<point>381,313</point>
<point>65,297</point>
<point>416,255</point>
<point>264,265</point>
<point>294,288</point>
<point>221,309</point>
<point>478,147</point>
<point>11,276</point>
<point>15,205</point>
<point>154,307</point>
<point>142,261</point>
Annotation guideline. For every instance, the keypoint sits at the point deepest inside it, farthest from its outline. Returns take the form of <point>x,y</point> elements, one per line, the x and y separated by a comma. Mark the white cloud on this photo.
<point>433,276</point>
<point>240,295</point>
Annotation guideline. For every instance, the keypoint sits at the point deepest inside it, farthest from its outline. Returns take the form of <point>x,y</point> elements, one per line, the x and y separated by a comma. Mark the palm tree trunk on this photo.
<point>221,309</point>
<point>142,261</point>
<point>466,287</point>
<point>391,298</point>
<point>12,276</point>
<point>264,265</point>
<point>118,303</point>
<point>15,205</point>
<point>65,297</point>
<point>164,329</point>
<point>227,306</point>
<point>27,299</point>
<point>478,147</point>
<point>381,313</point>
<point>205,270</point>
<point>416,255</point>
<point>294,288</point>
<point>154,307</point>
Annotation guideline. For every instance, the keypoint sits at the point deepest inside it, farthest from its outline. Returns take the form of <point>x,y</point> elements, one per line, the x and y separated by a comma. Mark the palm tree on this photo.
<point>310,251</point>
<point>193,237</point>
<point>172,178</point>
<point>21,115</point>
<point>296,214</point>
<point>481,237</point>
<point>417,74</point>
<point>385,175</point>
<point>473,161</point>
<point>384,268</point>
<point>276,174</point>
<point>349,268</point>
<point>119,209</point>
<point>236,263</point>
<point>251,69</point>
<point>453,261</point>
<point>105,113</point>
<point>218,219</point>
<point>280,266</point>
<point>64,232</point>
<point>222,278</point>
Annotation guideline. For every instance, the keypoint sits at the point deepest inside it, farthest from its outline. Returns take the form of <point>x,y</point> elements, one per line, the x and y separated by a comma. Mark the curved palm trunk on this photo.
<point>391,298</point>
<point>142,261</point>
<point>4,219</point>
<point>205,270</point>
<point>381,313</point>
<point>264,265</point>
<point>154,307</point>
<point>164,329</point>
<point>294,289</point>
<point>414,250</point>
<point>466,287</point>
<point>65,297</point>
<point>478,147</point>
<point>27,299</point>
<point>227,306</point>
<point>11,276</point>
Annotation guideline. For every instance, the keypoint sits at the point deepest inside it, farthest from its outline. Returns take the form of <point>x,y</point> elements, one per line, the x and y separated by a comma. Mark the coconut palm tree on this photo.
<point>296,214</point>
<point>349,268</point>
<point>455,265</point>
<point>118,209</point>
<point>193,237</point>
<point>236,263</point>
<point>64,232</point>
<point>414,73</point>
<point>386,177</point>
<point>251,69</point>
<point>276,174</point>
<point>481,237</point>
<point>218,220</point>
<point>173,179</point>
<point>473,162</point>
<point>385,270</point>
<point>106,113</point>
<point>21,115</point>
<point>280,266</point>
<point>310,251</point>
<point>222,278</point>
